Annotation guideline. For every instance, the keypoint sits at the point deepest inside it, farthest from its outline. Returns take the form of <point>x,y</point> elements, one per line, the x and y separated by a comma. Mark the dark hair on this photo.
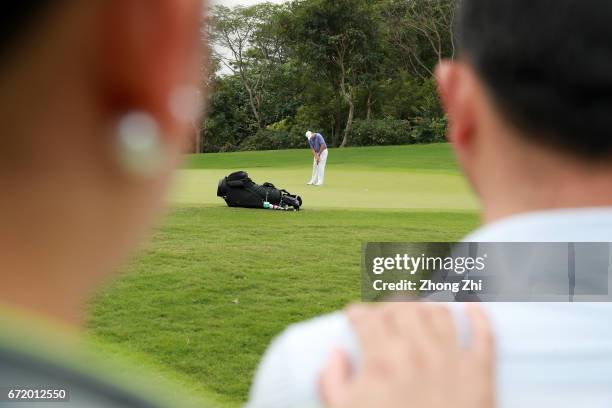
<point>16,18</point>
<point>548,65</point>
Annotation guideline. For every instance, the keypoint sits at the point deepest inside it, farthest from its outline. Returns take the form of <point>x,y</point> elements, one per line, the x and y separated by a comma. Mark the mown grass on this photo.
<point>212,288</point>
<point>433,157</point>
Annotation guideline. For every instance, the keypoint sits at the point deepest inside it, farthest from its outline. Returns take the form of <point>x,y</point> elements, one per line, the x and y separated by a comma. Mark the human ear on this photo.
<point>149,58</point>
<point>455,87</point>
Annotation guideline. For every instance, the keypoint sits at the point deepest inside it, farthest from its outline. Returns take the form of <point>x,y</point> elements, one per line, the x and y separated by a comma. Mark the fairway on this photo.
<point>206,296</point>
<point>400,177</point>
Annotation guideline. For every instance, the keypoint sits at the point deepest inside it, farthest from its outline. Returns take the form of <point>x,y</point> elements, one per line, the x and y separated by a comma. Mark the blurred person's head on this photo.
<point>530,103</point>
<point>94,97</point>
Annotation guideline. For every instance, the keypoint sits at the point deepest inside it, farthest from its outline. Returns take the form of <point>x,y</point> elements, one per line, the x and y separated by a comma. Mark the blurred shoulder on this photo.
<point>289,371</point>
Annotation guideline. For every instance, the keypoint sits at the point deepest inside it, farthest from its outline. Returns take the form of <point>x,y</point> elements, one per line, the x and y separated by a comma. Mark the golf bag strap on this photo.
<point>235,183</point>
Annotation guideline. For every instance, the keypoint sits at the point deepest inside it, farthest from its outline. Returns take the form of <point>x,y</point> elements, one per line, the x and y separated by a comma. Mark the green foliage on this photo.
<point>419,32</point>
<point>327,66</point>
<point>281,126</point>
<point>264,140</point>
<point>225,128</point>
<point>407,97</point>
<point>381,132</point>
<point>429,130</point>
<point>272,140</point>
<point>429,123</point>
<point>331,36</point>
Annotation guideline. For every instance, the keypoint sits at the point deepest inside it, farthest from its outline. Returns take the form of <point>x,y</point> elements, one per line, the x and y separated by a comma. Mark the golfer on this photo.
<point>319,151</point>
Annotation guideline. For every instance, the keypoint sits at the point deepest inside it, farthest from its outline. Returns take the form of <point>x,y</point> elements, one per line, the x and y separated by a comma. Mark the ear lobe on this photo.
<point>442,75</point>
<point>453,88</point>
<point>150,48</point>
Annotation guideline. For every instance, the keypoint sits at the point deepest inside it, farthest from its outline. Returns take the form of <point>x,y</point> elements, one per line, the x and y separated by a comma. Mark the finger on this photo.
<point>402,317</point>
<point>482,345</point>
<point>411,331</point>
<point>371,329</point>
<point>334,381</point>
<point>441,325</point>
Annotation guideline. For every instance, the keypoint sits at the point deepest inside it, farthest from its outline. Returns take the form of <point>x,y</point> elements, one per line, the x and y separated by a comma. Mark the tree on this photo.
<point>248,44</point>
<point>208,72</point>
<point>324,65</point>
<point>422,32</point>
<point>228,122</point>
<point>336,40</point>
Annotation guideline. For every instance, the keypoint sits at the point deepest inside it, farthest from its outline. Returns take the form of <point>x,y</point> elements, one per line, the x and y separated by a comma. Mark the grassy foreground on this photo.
<point>215,284</point>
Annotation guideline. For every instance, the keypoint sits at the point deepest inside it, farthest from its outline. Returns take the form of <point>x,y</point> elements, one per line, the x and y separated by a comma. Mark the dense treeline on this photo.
<point>359,71</point>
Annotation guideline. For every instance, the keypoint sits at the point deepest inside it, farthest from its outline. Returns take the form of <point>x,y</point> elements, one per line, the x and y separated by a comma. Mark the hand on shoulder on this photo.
<point>411,354</point>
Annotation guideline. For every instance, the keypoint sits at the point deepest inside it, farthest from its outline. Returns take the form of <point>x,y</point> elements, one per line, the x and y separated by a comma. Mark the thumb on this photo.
<point>483,347</point>
<point>334,380</point>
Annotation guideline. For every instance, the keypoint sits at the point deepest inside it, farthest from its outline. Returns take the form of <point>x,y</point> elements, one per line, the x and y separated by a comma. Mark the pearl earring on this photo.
<point>140,149</point>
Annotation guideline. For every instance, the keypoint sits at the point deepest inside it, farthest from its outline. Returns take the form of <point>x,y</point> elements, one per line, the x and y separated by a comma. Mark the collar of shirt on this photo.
<point>562,225</point>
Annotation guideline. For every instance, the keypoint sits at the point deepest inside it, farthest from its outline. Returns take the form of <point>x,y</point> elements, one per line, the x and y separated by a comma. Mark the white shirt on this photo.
<point>548,354</point>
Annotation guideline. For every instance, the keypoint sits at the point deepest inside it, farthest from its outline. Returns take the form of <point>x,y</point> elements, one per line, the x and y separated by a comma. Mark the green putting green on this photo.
<point>215,284</point>
<point>366,178</point>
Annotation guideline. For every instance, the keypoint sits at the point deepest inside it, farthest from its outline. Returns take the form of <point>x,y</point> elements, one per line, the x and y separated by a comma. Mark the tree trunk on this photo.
<point>338,128</point>
<point>369,103</point>
<point>349,122</point>
<point>254,107</point>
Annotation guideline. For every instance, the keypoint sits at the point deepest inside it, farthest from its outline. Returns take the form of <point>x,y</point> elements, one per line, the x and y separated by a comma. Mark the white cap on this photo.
<point>309,134</point>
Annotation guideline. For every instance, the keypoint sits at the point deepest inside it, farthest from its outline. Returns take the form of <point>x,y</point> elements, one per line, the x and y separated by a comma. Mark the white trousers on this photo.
<point>318,170</point>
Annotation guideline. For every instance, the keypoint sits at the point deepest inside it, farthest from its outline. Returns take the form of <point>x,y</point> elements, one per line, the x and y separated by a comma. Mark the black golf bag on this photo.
<point>238,190</point>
